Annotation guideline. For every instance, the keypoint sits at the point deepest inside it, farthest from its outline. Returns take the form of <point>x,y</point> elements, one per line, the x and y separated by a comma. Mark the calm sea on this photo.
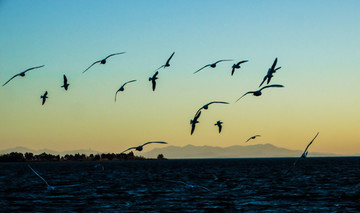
<point>219,185</point>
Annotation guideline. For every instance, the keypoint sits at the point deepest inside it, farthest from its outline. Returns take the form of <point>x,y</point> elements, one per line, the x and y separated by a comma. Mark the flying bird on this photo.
<point>122,87</point>
<point>22,74</point>
<point>194,122</point>
<point>211,65</point>
<point>219,124</point>
<point>304,154</point>
<point>206,106</point>
<point>167,64</point>
<point>189,185</point>
<point>102,61</point>
<point>66,85</point>
<point>252,138</point>
<point>44,97</point>
<point>237,66</point>
<point>140,148</point>
<point>153,80</point>
<point>270,72</point>
<point>258,92</point>
<point>49,187</point>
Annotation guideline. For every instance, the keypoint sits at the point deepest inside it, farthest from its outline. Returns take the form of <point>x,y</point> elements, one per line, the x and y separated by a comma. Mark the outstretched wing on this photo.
<point>160,67</point>
<point>311,142</point>
<point>162,142</point>
<point>218,102</point>
<point>116,93</point>
<point>65,80</point>
<point>129,149</point>
<point>274,65</point>
<point>240,62</point>
<point>153,84</point>
<point>222,61</point>
<point>39,176</point>
<point>201,68</point>
<point>128,82</point>
<point>113,55</point>
<point>276,69</point>
<point>168,61</point>
<point>272,85</point>
<point>91,65</point>
<point>33,68</point>
<point>232,71</point>
<point>244,95</point>
<point>266,76</point>
<point>10,79</point>
<point>157,72</point>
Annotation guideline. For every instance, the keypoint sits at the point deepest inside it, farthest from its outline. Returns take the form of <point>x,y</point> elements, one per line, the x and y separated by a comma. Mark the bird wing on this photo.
<point>157,72</point>
<point>91,65</point>
<point>257,135</point>
<point>232,71</point>
<point>167,62</point>
<point>33,68</point>
<point>276,69</point>
<point>220,127</point>
<point>201,68</point>
<point>240,62</point>
<point>10,79</point>
<point>65,80</point>
<point>113,55</point>
<point>128,82</point>
<point>311,142</point>
<point>46,92</point>
<point>203,188</point>
<point>272,85</point>
<point>160,67</point>
<point>116,93</point>
<point>222,60</point>
<point>39,176</point>
<point>197,115</point>
<point>218,102</point>
<point>153,84</point>
<point>266,76</point>
<point>274,65</point>
<point>244,95</point>
<point>154,142</point>
<point>248,140</point>
<point>128,149</point>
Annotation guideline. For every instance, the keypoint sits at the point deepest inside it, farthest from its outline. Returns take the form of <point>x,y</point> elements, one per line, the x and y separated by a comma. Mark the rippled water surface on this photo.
<point>315,184</point>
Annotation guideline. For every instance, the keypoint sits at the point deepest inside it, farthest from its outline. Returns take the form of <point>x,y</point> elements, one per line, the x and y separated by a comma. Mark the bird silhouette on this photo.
<point>270,72</point>
<point>167,64</point>
<point>44,97</point>
<point>258,92</point>
<point>194,122</point>
<point>140,148</point>
<point>66,85</point>
<point>49,187</point>
<point>153,80</point>
<point>237,66</point>
<point>122,87</point>
<point>206,106</point>
<point>102,61</point>
<point>213,65</point>
<point>252,138</point>
<point>219,124</point>
<point>22,74</point>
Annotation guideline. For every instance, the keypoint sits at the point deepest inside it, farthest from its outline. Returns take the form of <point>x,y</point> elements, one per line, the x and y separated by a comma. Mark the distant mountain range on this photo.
<point>191,151</point>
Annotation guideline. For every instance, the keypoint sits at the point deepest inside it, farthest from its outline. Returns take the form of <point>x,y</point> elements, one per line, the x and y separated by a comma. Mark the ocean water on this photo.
<point>235,185</point>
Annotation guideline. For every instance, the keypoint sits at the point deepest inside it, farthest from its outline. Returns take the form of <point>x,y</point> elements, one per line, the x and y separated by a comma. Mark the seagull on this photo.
<point>189,185</point>
<point>22,74</point>
<point>219,124</point>
<point>153,80</point>
<point>194,122</point>
<point>103,61</point>
<point>211,65</point>
<point>237,66</point>
<point>122,87</point>
<point>140,148</point>
<point>66,85</point>
<point>270,72</point>
<point>167,64</point>
<point>44,97</point>
<point>304,154</point>
<point>253,137</point>
<point>49,187</point>
<point>258,92</point>
<point>206,106</point>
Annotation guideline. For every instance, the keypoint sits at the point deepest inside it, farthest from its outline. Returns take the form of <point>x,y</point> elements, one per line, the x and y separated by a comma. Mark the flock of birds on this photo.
<point>193,122</point>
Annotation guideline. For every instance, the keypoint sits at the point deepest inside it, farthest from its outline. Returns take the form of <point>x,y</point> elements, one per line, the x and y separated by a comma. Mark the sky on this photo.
<point>316,43</point>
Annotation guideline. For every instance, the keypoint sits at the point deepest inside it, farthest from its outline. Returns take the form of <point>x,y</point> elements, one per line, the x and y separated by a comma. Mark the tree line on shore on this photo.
<point>30,157</point>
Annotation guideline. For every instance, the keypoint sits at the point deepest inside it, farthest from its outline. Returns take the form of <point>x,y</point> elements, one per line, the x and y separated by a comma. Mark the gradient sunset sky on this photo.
<point>317,44</point>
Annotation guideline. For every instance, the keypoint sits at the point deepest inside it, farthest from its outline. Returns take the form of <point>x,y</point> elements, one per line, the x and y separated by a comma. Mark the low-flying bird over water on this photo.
<point>153,80</point>
<point>252,138</point>
<point>237,66</point>
<point>122,87</point>
<point>44,97</point>
<point>22,74</point>
<point>49,187</point>
<point>189,185</point>
<point>194,121</point>
<point>258,92</point>
<point>219,124</point>
<point>304,154</point>
<point>66,85</point>
<point>167,64</point>
<point>140,148</point>
<point>211,65</point>
<point>206,106</point>
<point>102,61</point>
<point>270,72</point>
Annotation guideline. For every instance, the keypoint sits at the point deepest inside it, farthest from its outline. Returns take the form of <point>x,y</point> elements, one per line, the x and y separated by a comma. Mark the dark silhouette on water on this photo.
<point>211,65</point>
<point>270,72</point>
<point>49,187</point>
<point>219,124</point>
<point>190,186</point>
<point>303,155</point>
<point>65,85</point>
<point>252,138</point>
<point>102,61</point>
<point>206,106</point>
<point>194,121</point>
<point>122,87</point>
<point>258,92</point>
<point>167,64</point>
<point>153,80</point>
<point>237,66</point>
<point>44,97</point>
<point>140,148</point>
<point>22,74</point>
